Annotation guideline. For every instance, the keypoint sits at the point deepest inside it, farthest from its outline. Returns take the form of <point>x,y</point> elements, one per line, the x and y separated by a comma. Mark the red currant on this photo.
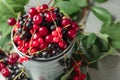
<point>11,62</point>
<point>76,77</point>
<point>40,40</point>
<point>50,16</point>
<point>5,72</point>
<point>71,33</point>
<point>54,33</point>
<point>33,50</point>
<point>32,11</point>
<point>11,21</point>
<point>35,43</point>
<point>65,22</point>
<point>14,56</point>
<point>43,7</point>
<point>35,27</point>
<point>20,43</point>
<point>24,50</point>
<point>82,76</point>
<point>56,39</point>
<point>36,36</point>
<point>59,29</point>
<point>43,31</point>
<point>37,19</point>
<point>62,44</point>
<point>1,65</point>
<point>43,46</point>
<point>26,45</point>
<point>17,38</point>
<point>75,26</point>
<point>48,38</point>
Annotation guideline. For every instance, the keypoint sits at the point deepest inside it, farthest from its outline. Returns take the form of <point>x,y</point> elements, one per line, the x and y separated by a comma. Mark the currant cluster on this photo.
<point>78,74</point>
<point>10,69</point>
<point>41,28</point>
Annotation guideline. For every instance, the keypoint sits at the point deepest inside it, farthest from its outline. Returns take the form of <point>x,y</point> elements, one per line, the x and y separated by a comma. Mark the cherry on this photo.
<point>32,11</point>
<point>75,26</point>
<point>5,72</point>
<point>62,44</point>
<point>71,33</point>
<point>50,16</point>
<point>36,36</point>
<point>35,27</point>
<point>65,22</point>
<point>43,31</point>
<point>56,39</point>
<point>35,43</point>
<point>37,19</point>
<point>43,7</point>
<point>43,46</point>
<point>11,21</point>
<point>49,38</point>
<point>40,40</point>
<point>1,65</point>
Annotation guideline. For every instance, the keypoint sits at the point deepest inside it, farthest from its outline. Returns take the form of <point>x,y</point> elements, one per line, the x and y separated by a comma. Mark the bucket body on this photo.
<point>45,70</point>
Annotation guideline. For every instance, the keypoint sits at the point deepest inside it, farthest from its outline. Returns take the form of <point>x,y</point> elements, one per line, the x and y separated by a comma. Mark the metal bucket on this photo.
<point>45,69</point>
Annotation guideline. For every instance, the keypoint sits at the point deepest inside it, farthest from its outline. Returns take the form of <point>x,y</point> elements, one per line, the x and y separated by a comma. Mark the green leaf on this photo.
<point>101,1</point>
<point>64,77</point>
<point>67,7</point>
<point>91,40</point>
<point>17,5</point>
<point>4,43</point>
<point>113,31</point>
<point>80,3</point>
<point>102,14</point>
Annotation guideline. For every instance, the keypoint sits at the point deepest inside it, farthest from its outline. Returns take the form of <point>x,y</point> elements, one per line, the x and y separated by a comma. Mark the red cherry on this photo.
<point>32,11</point>
<point>65,22</point>
<point>82,76</point>
<point>35,43</point>
<point>35,27</point>
<point>43,46</point>
<point>1,65</point>
<point>43,31</point>
<point>75,26</point>
<point>49,38</point>
<point>76,77</point>
<point>56,39</point>
<point>17,38</point>
<point>71,33</point>
<point>50,16</point>
<point>43,7</point>
<point>62,44</point>
<point>40,40</point>
<point>5,72</point>
<point>54,33</point>
<point>11,21</point>
<point>37,19</point>
<point>36,36</point>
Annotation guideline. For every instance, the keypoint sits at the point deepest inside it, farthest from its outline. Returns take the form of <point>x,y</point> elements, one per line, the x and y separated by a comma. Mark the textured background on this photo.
<point>109,67</point>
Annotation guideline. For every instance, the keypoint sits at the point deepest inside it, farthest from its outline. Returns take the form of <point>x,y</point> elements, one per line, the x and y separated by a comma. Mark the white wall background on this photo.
<point>109,67</point>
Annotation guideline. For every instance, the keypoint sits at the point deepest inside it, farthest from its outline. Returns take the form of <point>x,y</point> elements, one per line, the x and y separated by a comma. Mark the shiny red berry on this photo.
<point>36,36</point>
<point>71,33</point>
<point>37,19</point>
<point>82,76</point>
<point>26,45</point>
<point>24,50</point>
<point>43,31</point>
<point>59,29</point>
<point>50,17</point>
<point>54,33</point>
<point>35,27</point>
<point>76,77</point>
<point>11,62</point>
<point>14,56</point>
<point>35,43</point>
<point>11,21</point>
<point>56,39</point>
<point>40,40</point>
<point>43,7</point>
<point>75,26</point>
<point>17,38</point>
<point>5,72</point>
<point>65,22</point>
<point>62,44</point>
<point>32,11</point>
<point>48,38</point>
<point>43,46</point>
<point>20,43</point>
<point>1,65</point>
<point>33,50</point>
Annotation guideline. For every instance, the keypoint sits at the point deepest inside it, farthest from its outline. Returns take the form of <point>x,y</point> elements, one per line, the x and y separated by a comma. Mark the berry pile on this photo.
<point>43,32</point>
<point>9,67</point>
